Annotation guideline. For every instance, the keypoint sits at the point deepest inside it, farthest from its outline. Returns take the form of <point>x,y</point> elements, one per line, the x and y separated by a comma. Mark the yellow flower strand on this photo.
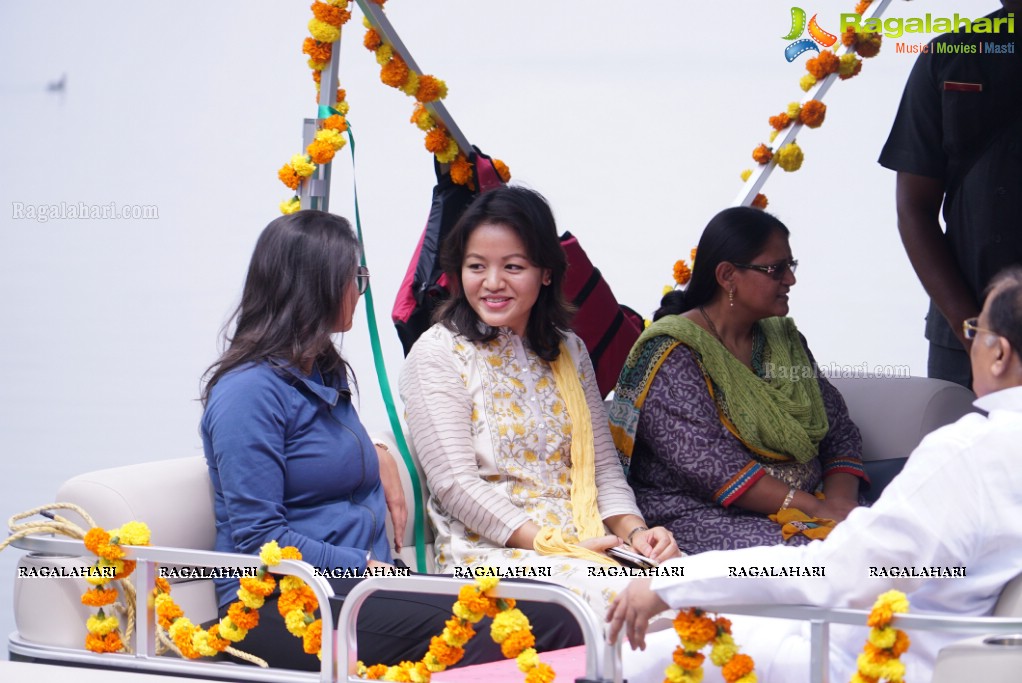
<point>880,659</point>
<point>696,630</point>
<point>103,630</point>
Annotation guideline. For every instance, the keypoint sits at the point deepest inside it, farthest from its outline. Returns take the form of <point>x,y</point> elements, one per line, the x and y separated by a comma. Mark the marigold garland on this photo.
<point>696,630</point>
<point>510,629</point>
<point>884,644</point>
<point>104,631</point>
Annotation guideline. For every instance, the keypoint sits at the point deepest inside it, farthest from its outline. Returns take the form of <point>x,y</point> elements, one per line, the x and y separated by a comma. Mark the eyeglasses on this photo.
<point>775,270</point>
<point>970,327</point>
<point>362,279</point>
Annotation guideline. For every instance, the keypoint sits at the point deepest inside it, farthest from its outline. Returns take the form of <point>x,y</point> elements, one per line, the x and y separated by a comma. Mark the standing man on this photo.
<point>957,140</point>
<point>955,506</point>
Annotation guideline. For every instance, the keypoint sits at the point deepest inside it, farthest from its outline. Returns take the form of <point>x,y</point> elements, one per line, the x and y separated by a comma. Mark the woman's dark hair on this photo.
<point>300,271</point>
<point>736,235</point>
<point>527,213</point>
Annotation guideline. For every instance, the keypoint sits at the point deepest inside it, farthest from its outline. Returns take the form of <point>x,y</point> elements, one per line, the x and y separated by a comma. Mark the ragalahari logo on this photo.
<point>816,35</point>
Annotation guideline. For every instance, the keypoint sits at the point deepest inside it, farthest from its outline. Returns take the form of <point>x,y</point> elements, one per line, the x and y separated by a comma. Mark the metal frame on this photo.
<point>145,657</point>
<point>820,619</point>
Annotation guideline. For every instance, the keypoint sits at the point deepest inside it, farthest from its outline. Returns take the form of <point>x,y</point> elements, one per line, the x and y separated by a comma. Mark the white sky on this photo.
<point>634,119</point>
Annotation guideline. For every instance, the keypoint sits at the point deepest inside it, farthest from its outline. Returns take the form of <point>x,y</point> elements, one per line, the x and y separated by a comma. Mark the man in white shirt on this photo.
<point>950,522</point>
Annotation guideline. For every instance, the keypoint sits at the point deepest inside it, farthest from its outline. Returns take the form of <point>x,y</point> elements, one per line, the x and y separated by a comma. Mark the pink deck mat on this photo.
<point>569,663</point>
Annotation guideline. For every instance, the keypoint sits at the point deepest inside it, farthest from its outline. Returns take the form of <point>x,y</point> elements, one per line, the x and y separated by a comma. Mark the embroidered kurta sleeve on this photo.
<point>685,445</point>
<point>438,408</point>
<point>614,495</point>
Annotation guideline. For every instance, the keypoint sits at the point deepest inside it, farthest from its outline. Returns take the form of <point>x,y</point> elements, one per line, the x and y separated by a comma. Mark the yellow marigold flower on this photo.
<point>789,157</point>
<point>290,206</point>
<point>323,32</point>
<point>793,110</point>
<point>343,4</point>
<point>675,674</point>
<point>342,107</point>
<point>411,84</point>
<point>269,554</point>
<point>748,678</point>
<point>487,583</point>
<point>332,137</point>
<point>133,533</point>
<point>848,66</point>
<point>384,54</point>
<point>295,623</point>
<point>316,66</point>
<point>201,642</point>
<point>449,154</point>
<point>774,134</point>
<point>461,612</point>
<point>423,120</point>
<point>506,623</point>
<point>807,82</point>
<point>884,638</point>
<point>527,660</point>
<point>723,651</point>
<point>667,290</point>
<point>230,631</point>
<point>304,168</point>
<point>102,625</point>
<point>290,583</point>
<point>746,174</point>
<point>250,599</point>
<point>182,624</point>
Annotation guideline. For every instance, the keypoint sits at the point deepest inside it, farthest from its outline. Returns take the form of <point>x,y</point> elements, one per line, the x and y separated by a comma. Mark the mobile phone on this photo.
<point>629,557</point>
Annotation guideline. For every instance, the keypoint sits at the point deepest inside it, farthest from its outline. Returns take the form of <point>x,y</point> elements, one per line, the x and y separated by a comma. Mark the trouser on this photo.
<point>950,364</point>
<point>397,626</point>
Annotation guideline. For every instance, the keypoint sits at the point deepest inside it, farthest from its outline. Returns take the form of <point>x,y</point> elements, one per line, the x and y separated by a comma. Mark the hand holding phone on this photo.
<point>627,556</point>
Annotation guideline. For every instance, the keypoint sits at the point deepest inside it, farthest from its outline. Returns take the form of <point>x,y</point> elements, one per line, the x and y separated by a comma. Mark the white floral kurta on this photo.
<point>494,440</point>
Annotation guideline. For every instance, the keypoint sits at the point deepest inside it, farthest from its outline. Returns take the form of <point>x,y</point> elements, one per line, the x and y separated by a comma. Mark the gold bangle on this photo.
<point>788,498</point>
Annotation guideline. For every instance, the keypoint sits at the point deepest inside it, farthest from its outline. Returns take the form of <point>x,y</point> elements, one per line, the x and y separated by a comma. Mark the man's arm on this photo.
<point>919,199</point>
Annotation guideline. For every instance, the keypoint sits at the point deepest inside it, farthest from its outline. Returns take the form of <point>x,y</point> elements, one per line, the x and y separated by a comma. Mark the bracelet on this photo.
<point>632,533</point>
<point>788,498</point>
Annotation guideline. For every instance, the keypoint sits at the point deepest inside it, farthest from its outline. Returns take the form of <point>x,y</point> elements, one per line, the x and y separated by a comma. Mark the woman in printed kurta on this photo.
<point>721,414</point>
<point>506,416</point>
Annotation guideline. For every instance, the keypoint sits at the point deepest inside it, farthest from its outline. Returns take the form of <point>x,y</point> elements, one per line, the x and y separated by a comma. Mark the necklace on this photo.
<point>713,328</point>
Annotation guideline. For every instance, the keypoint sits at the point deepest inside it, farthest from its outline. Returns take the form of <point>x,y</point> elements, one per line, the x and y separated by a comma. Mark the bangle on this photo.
<point>632,533</point>
<point>788,498</point>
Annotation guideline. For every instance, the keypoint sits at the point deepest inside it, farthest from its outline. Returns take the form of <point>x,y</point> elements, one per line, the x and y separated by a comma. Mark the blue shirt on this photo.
<point>290,461</point>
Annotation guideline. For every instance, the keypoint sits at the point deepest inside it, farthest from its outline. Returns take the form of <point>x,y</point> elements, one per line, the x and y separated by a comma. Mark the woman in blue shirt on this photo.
<point>288,457</point>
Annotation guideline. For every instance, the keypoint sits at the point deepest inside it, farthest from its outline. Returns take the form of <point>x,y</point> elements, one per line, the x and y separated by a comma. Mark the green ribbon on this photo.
<point>381,375</point>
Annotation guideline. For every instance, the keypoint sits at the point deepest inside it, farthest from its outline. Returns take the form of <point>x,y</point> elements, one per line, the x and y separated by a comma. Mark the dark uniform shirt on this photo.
<point>971,139</point>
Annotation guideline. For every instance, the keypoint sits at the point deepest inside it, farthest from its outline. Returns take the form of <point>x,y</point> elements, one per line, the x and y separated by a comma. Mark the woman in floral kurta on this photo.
<point>490,424</point>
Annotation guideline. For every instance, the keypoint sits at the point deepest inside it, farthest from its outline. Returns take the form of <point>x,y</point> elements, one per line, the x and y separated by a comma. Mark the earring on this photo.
<point>731,297</point>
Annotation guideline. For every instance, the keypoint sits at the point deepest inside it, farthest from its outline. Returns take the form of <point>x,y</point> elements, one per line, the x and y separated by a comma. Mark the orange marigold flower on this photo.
<point>868,44</point>
<point>723,623</point>
<point>436,142</point>
<point>901,643</point>
<point>215,641</point>
<point>395,72</point>
<point>759,201</point>
<point>162,585</point>
<point>288,176</point>
<point>320,152</point>
<point>682,273</point>
<point>862,6</point>
<point>848,36</point>
<point>762,155</point>
<point>335,16</point>
<point>447,655</point>
<point>688,661</point>
<point>812,114</point>
<point>376,671</point>
<point>698,630</point>
<point>502,170</point>
<point>318,51</point>
<point>264,586</point>
<point>516,643</point>
<point>740,665</point>
<point>303,599</point>
<point>129,567</point>
<point>317,76</point>
<point>340,124</point>
<point>312,641</point>
<point>540,674</point>
<point>95,538</point>
<point>111,642</point>
<point>290,552</point>
<point>184,644</point>
<point>372,40</point>
<point>822,65</point>
<point>461,171</point>
<point>780,122</point>
<point>880,616</point>
<point>243,617</point>
<point>430,89</point>
<point>98,597</point>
